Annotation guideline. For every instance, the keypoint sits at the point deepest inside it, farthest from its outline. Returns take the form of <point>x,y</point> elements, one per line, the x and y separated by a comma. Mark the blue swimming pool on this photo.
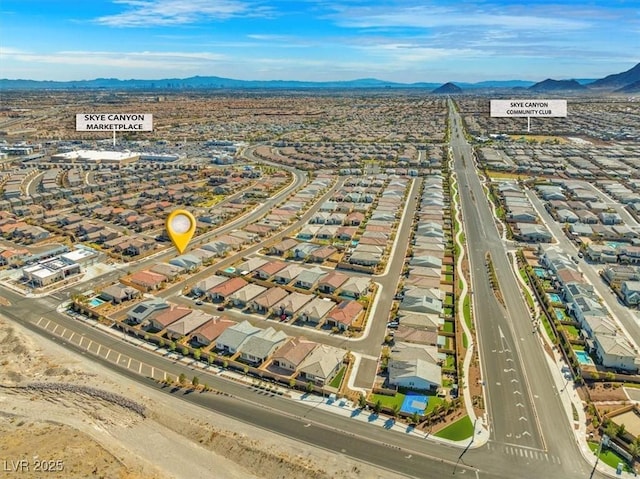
<point>559,314</point>
<point>613,244</point>
<point>230,270</point>
<point>541,272</point>
<point>94,302</point>
<point>555,298</point>
<point>583,358</point>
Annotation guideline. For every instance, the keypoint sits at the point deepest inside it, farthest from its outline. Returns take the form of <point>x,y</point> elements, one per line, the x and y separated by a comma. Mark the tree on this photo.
<point>377,407</point>
<point>292,383</point>
<point>172,346</point>
<point>195,381</point>
<point>362,401</point>
<point>634,449</point>
<point>309,387</point>
<point>184,350</point>
<point>415,417</point>
<point>182,378</point>
<point>197,354</point>
<point>395,410</point>
<point>610,428</point>
<point>245,370</point>
<point>621,430</point>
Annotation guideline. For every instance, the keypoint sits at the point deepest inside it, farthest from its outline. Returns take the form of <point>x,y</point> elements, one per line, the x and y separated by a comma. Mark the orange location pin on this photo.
<point>181,225</point>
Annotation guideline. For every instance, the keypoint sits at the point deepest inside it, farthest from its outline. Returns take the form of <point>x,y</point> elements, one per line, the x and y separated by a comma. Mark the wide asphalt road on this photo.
<point>525,411</point>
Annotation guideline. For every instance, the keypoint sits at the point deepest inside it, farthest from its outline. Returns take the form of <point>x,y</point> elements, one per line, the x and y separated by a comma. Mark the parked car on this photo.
<point>199,302</point>
<point>393,325</point>
<point>220,308</point>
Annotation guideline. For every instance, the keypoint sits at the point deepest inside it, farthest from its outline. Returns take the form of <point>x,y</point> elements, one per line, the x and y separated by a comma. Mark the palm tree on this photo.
<point>634,450</point>
<point>377,407</point>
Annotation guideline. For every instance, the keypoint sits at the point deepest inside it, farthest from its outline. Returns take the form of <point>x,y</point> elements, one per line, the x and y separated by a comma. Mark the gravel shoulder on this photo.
<point>94,437</point>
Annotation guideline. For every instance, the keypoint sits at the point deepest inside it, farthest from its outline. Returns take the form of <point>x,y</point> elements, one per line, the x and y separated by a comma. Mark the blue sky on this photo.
<point>405,41</point>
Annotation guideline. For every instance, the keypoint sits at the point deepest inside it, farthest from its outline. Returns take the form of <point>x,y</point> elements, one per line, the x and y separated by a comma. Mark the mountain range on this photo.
<point>624,82</point>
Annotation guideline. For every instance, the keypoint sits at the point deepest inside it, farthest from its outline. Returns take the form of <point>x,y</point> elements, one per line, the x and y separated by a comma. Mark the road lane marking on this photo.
<point>98,351</point>
<point>81,339</point>
<point>129,364</point>
<point>72,335</point>
<point>55,329</point>
<point>39,321</point>
<point>118,360</point>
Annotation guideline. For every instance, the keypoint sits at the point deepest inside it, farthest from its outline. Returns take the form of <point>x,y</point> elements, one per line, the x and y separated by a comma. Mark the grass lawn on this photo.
<point>572,330</point>
<point>448,312</point>
<point>523,275</point>
<point>448,278</point>
<point>388,401</point>
<point>449,362</point>
<point>434,401</point>
<point>547,326</point>
<point>448,268</point>
<point>466,311</point>
<point>609,457</point>
<point>458,431</point>
<point>447,327</point>
<point>335,382</point>
<point>465,341</point>
<point>448,299</point>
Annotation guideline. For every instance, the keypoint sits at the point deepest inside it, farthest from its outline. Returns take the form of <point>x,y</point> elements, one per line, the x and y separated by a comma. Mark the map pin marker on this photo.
<point>180,227</point>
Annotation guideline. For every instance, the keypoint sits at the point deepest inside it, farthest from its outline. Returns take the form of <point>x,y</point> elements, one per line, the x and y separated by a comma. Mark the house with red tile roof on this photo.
<point>222,291</point>
<point>344,314</point>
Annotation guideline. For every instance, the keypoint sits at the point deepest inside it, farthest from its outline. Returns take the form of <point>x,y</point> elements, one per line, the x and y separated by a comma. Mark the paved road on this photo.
<point>590,271</point>
<point>521,458</point>
<point>524,408</point>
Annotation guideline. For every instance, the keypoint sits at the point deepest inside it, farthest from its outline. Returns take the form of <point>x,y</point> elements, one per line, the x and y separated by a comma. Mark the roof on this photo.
<point>270,297</point>
<point>168,316</point>
<point>213,328</point>
<point>189,322</point>
<point>233,336</point>
<point>272,267</point>
<point>229,287</point>
<point>248,292</point>
<point>294,351</point>
<point>346,312</point>
<point>260,345</point>
<point>414,368</point>
<point>318,307</point>
<point>322,361</point>
<point>334,279</point>
<point>147,278</point>
<point>294,301</point>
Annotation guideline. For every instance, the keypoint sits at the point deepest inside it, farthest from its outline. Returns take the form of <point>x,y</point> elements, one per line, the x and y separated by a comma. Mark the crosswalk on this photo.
<point>523,453</point>
<point>530,454</point>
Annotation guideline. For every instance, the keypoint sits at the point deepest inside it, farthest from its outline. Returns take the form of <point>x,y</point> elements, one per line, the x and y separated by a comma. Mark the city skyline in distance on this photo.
<point>403,42</point>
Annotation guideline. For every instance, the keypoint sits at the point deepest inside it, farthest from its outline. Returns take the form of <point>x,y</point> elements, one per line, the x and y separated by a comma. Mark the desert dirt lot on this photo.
<point>88,436</point>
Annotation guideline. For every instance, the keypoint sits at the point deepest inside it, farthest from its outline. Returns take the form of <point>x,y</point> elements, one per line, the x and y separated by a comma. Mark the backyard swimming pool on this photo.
<point>559,314</point>
<point>583,358</point>
<point>540,272</point>
<point>94,302</point>
<point>555,298</point>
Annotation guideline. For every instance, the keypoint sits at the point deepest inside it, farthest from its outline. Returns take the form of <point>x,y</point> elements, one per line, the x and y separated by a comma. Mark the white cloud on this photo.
<point>180,61</point>
<point>436,16</point>
<point>145,13</point>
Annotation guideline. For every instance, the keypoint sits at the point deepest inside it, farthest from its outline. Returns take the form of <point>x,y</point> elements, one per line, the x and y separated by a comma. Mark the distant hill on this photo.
<point>550,85</point>
<point>630,88</point>
<point>611,82</point>
<point>202,82</point>
<point>447,89</point>
<point>618,80</point>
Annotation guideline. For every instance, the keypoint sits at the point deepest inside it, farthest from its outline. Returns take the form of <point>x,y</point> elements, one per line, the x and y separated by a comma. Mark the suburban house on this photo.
<point>344,314</point>
<point>258,347</point>
<point>224,290</point>
<point>233,337</point>
<point>270,268</point>
<point>203,286</point>
<point>250,265</point>
<point>331,282</point>
<point>118,293</point>
<point>422,300</point>
<point>288,274</point>
<point>266,301</point>
<point>414,367</point>
<point>290,305</point>
<point>164,318</point>
<point>169,270</point>
<point>533,233</point>
<point>631,292</point>
<point>283,246</point>
<point>308,278</point>
<point>185,325</point>
<point>291,354</point>
<point>143,310</point>
<point>147,280</point>
<point>209,331</point>
<point>314,311</point>
<point>244,295</point>
<point>354,287</point>
<point>415,374</point>
<point>187,261</point>
<point>615,351</point>
<point>321,364</point>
